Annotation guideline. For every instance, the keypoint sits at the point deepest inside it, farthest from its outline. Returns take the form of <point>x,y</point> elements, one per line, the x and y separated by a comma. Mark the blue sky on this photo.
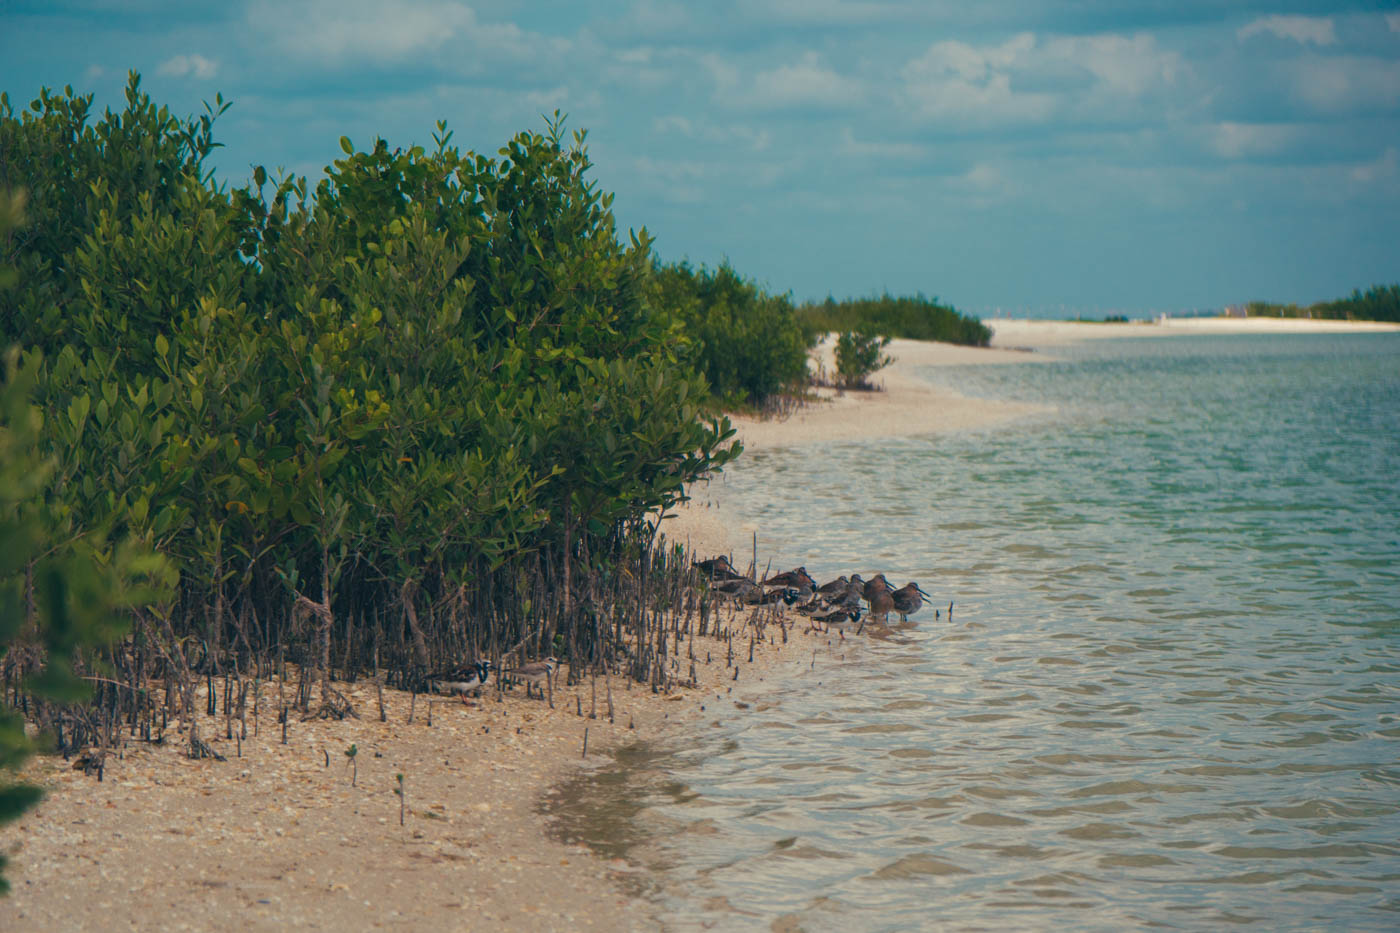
<point>1084,157</point>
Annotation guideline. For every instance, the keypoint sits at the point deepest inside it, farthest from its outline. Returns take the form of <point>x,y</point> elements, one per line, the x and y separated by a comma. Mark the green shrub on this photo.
<point>1377,303</point>
<point>913,318</point>
<point>414,395</point>
<point>59,596</point>
<point>746,342</point>
<point>858,356</point>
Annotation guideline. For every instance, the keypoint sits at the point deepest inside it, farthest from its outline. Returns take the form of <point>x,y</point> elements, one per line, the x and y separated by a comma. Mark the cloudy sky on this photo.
<point>1029,157</point>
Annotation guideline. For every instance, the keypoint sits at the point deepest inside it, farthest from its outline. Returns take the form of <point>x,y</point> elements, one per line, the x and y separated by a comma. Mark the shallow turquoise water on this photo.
<point>1169,693</point>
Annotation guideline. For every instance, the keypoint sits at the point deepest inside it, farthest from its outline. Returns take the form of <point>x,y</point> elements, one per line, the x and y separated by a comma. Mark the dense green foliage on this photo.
<point>382,415</point>
<point>1377,303</point>
<point>858,356</point>
<point>914,318</point>
<point>746,342</point>
<point>58,597</point>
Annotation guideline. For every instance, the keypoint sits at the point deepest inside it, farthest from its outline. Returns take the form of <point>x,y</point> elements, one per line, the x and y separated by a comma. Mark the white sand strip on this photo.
<point>1025,333</point>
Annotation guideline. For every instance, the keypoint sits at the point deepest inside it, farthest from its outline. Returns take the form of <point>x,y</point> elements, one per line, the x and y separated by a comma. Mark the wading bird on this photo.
<point>881,604</point>
<point>797,579</point>
<point>838,619</point>
<point>908,599</point>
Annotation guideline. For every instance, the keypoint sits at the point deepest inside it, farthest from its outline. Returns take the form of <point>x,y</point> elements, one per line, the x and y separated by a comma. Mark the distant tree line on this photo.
<point>911,317</point>
<point>1377,303</point>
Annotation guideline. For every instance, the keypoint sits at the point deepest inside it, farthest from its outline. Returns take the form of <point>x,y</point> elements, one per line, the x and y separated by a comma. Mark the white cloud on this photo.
<point>347,31</point>
<point>701,129</point>
<point>548,99</point>
<point>1319,30</point>
<point>674,123</point>
<point>1126,65</point>
<point>819,11</point>
<point>188,66</point>
<point>970,63</point>
<point>953,79</point>
<point>877,148</point>
<point>1241,140</point>
<point>1344,83</point>
<point>656,17</point>
<point>672,169</point>
<point>985,184</point>
<point>984,177</point>
<point>724,74</point>
<point>678,181</point>
<point>1387,166</point>
<point>804,83</point>
<point>1028,80</point>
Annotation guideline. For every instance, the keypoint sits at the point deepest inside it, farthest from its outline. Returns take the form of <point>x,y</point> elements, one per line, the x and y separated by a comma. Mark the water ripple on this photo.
<point>1168,696</point>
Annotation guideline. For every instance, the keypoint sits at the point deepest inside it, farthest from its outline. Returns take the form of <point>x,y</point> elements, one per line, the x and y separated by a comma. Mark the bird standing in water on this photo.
<point>908,599</point>
<point>881,603</point>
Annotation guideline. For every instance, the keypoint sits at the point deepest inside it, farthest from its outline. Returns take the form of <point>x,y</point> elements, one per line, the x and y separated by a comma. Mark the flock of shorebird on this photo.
<point>834,604</point>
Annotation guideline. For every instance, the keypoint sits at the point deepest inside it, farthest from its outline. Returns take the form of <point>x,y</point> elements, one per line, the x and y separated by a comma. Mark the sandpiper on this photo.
<point>908,599</point>
<point>741,590</point>
<point>797,579</point>
<point>460,680</point>
<point>719,568</point>
<point>837,618</point>
<point>831,587</point>
<point>787,596</point>
<point>881,604</point>
<point>874,585</point>
<point>536,672</point>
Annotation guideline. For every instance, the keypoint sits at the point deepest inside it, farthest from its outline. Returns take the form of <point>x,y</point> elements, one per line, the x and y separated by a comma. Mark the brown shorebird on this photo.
<point>797,579</point>
<point>838,618</point>
<point>875,584</point>
<point>834,586</point>
<point>881,604</point>
<point>908,599</point>
<point>718,569</point>
<point>536,672</point>
<point>741,590</point>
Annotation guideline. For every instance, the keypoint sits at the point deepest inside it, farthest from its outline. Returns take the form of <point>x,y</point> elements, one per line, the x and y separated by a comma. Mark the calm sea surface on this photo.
<point>1169,694</point>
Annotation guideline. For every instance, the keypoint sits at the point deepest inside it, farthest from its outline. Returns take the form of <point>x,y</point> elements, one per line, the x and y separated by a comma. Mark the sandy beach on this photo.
<point>1011,332</point>
<point>296,835</point>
